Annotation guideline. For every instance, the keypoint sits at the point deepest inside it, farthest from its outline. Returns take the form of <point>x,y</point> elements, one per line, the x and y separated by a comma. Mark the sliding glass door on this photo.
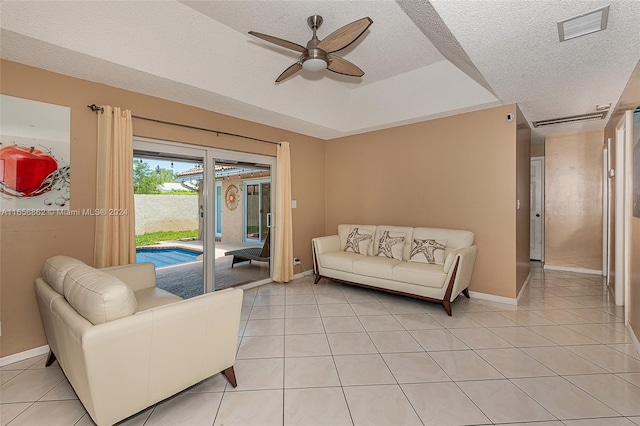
<point>257,210</point>
<point>170,207</point>
<point>226,197</point>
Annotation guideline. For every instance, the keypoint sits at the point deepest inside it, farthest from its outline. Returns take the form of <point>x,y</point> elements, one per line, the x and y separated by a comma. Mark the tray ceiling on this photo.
<point>422,60</point>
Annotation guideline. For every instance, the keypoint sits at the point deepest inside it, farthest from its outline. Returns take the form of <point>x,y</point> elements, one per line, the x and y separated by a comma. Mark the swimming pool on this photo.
<point>165,256</point>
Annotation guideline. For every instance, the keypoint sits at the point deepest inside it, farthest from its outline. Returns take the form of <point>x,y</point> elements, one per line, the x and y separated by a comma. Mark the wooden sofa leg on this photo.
<point>317,279</point>
<point>447,306</point>
<point>50,358</point>
<point>466,292</point>
<point>231,376</point>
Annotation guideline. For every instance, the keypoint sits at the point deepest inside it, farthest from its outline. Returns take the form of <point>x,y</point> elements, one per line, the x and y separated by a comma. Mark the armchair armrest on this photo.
<point>138,276</point>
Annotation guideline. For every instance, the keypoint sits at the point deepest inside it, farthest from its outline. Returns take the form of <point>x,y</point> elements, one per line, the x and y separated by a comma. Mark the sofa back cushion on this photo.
<point>98,296</point>
<point>394,231</point>
<point>345,230</point>
<point>55,269</point>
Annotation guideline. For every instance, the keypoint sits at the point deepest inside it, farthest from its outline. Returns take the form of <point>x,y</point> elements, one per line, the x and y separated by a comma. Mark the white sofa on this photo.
<point>401,274</point>
<point>124,344</point>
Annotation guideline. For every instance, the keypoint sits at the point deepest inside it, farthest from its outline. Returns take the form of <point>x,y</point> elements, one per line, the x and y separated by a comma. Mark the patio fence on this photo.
<point>160,212</point>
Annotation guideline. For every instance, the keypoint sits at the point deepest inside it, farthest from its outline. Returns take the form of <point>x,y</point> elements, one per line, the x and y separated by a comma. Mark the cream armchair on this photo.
<point>124,344</point>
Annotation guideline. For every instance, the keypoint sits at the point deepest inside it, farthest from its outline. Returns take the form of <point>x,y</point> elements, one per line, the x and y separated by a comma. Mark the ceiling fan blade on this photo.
<point>280,42</point>
<point>342,66</point>
<point>289,72</point>
<point>343,37</point>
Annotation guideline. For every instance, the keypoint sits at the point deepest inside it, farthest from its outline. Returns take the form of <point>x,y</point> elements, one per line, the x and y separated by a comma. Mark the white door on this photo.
<point>537,209</point>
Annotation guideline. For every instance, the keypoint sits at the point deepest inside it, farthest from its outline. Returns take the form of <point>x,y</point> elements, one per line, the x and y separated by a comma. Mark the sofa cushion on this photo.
<point>345,230</point>
<point>339,260</point>
<point>98,296</point>
<point>391,244</point>
<point>428,251</point>
<point>374,266</point>
<point>55,269</point>
<point>358,241</point>
<point>419,273</point>
<point>408,235</point>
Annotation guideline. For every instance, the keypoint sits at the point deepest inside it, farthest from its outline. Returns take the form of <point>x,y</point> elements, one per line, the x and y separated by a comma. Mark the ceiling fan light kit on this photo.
<point>319,55</point>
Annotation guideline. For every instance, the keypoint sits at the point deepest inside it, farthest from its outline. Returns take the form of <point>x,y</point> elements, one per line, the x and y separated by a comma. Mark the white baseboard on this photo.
<point>570,269</point>
<point>492,298</point>
<point>524,286</point>
<point>634,338</point>
<point>21,356</point>
<point>303,274</point>
<point>502,299</point>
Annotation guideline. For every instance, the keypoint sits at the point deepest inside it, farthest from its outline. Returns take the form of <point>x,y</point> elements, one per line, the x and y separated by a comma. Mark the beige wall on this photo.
<point>232,219</point>
<point>537,149</point>
<point>523,189</point>
<point>456,172</point>
<point>573,200</point>
<point>630,100</point>
<point>25,243</point>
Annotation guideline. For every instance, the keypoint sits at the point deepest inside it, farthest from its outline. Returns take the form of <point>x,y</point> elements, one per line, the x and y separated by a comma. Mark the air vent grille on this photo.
<point>571,119</point>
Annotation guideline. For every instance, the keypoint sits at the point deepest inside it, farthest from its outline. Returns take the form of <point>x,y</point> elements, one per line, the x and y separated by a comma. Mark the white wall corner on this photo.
<point>634,338</point>
<point>493,298</point>
<point>524,286</point>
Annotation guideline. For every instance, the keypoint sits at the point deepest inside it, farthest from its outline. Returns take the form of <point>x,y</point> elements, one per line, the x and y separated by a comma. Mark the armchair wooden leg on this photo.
<point>231,376</point>
<point>317,279</point>
<point>466,292</point>
<point>50,358</point>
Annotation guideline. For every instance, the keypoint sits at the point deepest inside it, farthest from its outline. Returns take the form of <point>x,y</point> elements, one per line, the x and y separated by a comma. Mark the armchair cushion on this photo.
<point>56,268</point>
<point>153,297</point>
<point>97,296</point>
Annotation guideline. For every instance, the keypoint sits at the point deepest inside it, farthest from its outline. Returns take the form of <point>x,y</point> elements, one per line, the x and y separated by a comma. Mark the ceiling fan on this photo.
<point>319,54</point>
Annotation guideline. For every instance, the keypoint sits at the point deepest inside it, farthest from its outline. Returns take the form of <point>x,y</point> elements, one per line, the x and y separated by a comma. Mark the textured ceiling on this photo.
<point>422,60</point>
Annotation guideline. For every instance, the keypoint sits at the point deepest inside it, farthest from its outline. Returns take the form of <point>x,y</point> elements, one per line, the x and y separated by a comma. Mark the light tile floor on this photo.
<point>331,354</point>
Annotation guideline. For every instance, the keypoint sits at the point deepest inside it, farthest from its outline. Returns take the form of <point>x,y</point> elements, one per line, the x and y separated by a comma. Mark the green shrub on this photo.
<point>156,237</point>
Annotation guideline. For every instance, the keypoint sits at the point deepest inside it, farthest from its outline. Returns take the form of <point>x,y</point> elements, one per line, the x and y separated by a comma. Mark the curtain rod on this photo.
<point>95,108</point>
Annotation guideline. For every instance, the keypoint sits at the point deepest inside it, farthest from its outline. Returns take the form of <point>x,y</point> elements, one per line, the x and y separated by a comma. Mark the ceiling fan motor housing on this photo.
<point>314,21</point>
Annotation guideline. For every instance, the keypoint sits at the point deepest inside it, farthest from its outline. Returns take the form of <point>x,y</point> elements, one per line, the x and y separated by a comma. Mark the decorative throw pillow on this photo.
<point>428,251</point>
<point>358,241</point>
<point>391,244</point>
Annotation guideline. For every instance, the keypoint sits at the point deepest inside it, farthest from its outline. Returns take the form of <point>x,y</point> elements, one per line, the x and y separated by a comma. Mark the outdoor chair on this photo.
<point>261,254</point>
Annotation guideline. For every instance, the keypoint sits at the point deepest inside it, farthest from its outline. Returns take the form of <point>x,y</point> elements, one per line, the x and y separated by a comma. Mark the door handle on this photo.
<point>537,214</point>
<point>268,220</point>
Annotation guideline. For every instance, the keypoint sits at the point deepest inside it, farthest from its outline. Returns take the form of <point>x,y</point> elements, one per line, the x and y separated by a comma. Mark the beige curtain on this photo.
<point>283,236</point>
<point>115,225</point>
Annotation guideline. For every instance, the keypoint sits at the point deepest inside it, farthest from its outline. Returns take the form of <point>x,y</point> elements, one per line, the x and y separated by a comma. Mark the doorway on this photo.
<point>169,214</point>
<point>257,210</point>
<point>243,212</point>
<point>215,178</point>
<point>623,210</point>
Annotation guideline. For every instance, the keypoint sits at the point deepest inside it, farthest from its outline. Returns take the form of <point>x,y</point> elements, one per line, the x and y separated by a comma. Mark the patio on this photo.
<point>186,279</point>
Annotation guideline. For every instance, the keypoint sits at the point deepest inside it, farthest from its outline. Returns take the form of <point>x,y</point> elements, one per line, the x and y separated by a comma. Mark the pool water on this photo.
<point>165,256</point>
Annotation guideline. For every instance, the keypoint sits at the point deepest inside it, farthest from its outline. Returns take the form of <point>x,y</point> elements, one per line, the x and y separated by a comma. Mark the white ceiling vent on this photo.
<point>584,24</point>
<point>572,119</point>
